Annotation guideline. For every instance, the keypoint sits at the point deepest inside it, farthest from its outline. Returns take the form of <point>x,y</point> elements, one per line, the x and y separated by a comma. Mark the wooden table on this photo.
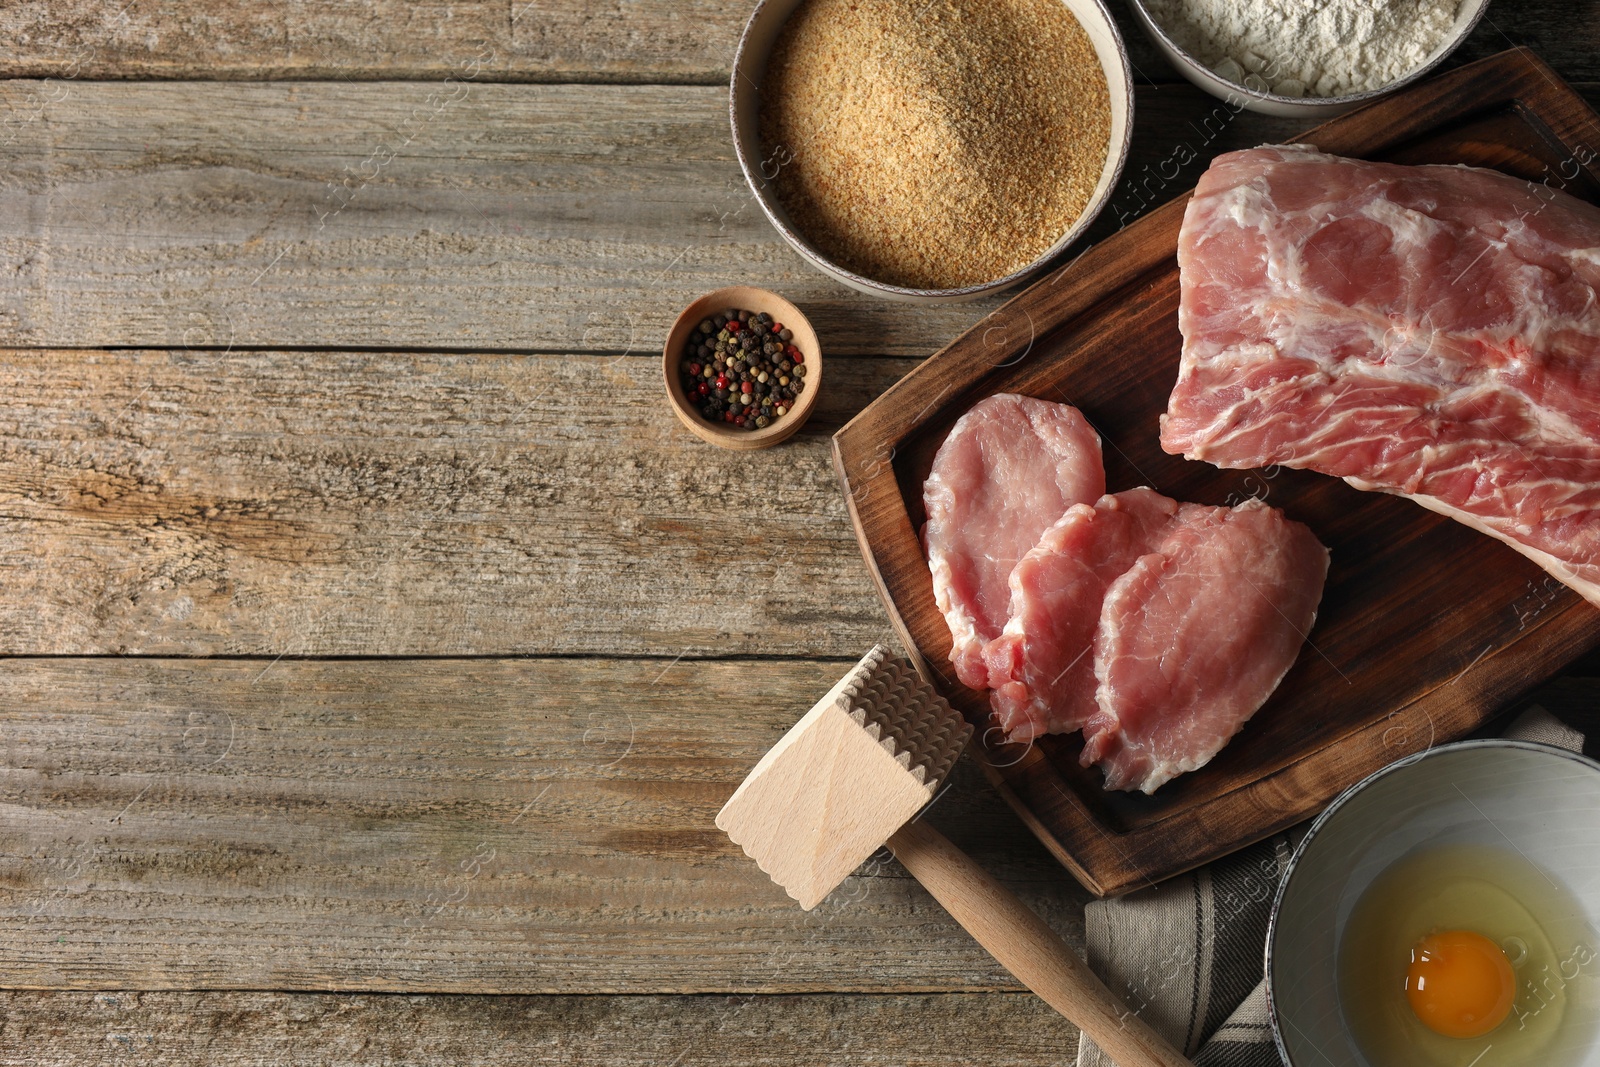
<point>380,647</point>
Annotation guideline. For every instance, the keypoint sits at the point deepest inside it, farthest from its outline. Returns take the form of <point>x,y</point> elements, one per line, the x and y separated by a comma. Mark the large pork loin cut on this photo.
<point>1009,468</point>
<point>1042,665</point>
<point>1430,331</point>
<point>1195,636</point>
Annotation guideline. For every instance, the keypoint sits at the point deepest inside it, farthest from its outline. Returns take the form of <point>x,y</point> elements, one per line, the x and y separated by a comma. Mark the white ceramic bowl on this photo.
<point>1317,107</point>
<point>1542,801</point>
<point>744,108</point>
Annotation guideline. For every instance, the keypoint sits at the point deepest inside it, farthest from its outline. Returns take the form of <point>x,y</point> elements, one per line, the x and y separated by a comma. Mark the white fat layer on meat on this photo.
<point>1243,205</point>
<point>1585,585</point>
<point>1333,436</point>
<point>1410,348</point>
<point>1250,207</point>
<point>1407,226</point>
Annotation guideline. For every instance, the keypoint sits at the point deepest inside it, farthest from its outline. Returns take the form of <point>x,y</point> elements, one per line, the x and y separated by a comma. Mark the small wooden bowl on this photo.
<point>745,298</point>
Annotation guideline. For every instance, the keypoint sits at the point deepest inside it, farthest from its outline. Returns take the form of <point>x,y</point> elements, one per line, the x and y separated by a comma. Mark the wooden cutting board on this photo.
<point>1426,628</point>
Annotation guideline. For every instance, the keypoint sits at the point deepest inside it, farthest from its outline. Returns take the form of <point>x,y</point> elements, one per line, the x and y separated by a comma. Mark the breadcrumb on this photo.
<point>934,144</point>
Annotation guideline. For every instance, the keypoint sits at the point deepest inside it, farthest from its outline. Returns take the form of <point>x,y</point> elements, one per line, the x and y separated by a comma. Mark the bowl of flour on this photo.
<point>1315,58</point>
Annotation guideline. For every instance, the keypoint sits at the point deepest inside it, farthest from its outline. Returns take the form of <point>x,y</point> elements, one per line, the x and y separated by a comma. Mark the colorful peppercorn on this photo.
<point>741,368</point>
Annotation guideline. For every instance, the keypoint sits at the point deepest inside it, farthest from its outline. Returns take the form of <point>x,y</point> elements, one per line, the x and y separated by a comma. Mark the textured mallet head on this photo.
<point>849,774</point>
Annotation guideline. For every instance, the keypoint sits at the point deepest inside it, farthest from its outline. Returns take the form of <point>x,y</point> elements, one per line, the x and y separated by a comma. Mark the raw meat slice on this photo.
<point>1042,666</point>
<point>1432,332</point>
<point>1010,467</point>
<point>1195,636</point>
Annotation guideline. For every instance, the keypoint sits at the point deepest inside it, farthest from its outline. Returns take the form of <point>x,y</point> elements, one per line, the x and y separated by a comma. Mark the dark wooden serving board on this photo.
<point>1426,628</point>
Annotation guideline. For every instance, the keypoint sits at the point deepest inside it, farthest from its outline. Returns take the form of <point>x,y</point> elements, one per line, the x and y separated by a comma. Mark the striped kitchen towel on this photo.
<point>1186,955</point>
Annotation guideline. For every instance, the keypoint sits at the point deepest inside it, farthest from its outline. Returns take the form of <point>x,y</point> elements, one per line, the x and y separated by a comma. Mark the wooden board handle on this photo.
<point>1028,948</point>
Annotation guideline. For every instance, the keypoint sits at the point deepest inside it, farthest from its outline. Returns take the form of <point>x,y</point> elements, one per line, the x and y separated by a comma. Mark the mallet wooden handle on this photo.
<point>1028,948</point>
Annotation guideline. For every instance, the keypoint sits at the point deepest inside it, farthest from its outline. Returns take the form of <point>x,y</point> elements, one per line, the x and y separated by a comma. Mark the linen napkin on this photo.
<point>1187,955</point>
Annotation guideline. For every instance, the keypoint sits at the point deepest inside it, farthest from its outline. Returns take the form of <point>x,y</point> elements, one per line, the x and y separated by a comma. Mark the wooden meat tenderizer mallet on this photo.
<point>850,776</point>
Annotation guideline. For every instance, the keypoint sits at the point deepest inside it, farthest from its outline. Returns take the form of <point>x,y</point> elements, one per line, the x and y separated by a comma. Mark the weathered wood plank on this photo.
<point>507,826</point>
<point>546,40</point>
<point>335,1030</point>
<point>311,504</point>
<point>406,216</point>
<point>412,216</point>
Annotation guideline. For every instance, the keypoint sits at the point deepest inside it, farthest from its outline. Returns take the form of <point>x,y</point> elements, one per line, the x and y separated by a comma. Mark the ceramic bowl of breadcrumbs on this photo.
<point>931,150</point>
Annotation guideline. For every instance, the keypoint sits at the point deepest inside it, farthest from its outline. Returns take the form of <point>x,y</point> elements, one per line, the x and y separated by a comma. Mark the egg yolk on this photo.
<point>1460,984</point>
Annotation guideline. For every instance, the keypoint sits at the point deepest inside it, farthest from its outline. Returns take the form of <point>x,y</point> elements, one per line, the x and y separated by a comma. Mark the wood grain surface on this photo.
<point>1030,949</point>
<point>384,504</point>
<point>476,216</point>
<point>382,183</point>
<point>528,40</point>
<point>1424,630</point>
<point>67,1029</point>
<point>509,826</point>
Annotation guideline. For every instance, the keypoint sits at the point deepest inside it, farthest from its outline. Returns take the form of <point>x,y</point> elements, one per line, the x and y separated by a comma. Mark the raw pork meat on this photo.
<point>1010,467</point>
<point>1042,666</point>
<point>1426,331</point>
<point>1195,636</point>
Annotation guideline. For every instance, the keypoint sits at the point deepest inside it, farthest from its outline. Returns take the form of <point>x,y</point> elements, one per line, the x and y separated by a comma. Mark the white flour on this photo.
<point>1308,47</point>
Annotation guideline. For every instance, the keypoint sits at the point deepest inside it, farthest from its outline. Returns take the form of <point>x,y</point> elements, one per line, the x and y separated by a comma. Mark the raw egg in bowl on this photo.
<point>1445,911</point>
